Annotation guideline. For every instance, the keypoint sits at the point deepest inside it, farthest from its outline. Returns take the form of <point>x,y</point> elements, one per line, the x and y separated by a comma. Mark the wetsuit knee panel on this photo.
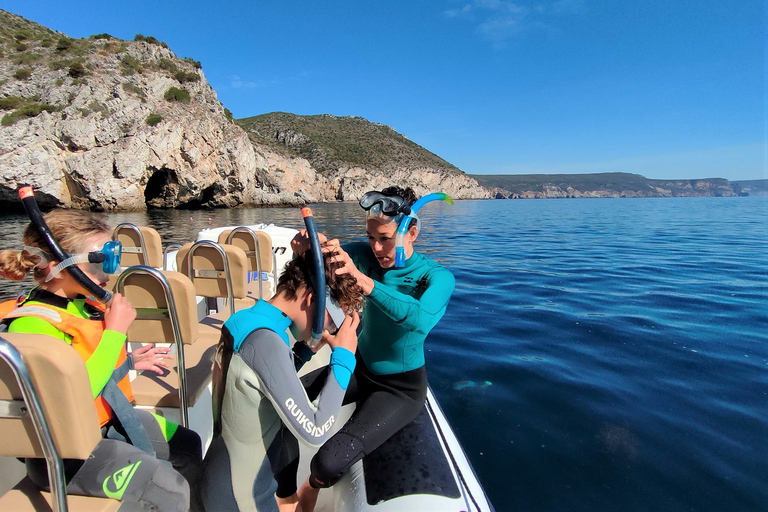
<point>334,458</point>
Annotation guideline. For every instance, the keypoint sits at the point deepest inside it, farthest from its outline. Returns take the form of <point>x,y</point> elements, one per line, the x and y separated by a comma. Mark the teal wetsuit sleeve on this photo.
<point>417,315</point>
<point>342,364</point>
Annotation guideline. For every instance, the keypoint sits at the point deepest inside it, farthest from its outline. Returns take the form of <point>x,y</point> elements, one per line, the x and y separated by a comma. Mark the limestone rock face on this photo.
<point>97,150</point>
<point>128,125</point>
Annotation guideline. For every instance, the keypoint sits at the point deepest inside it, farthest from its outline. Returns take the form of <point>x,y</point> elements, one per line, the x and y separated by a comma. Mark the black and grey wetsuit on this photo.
<point>256,395</point>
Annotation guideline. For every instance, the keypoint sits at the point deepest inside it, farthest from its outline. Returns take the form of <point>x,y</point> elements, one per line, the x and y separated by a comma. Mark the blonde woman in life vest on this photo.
<point>127,463</point>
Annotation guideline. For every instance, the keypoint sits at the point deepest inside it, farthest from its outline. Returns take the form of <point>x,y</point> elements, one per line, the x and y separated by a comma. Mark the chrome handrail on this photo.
<point>53,460</point>
<point>169,248</point>
<point>174,318</point>
<point>246,229</point>
<point>135,229</point>
<point>227,274</point>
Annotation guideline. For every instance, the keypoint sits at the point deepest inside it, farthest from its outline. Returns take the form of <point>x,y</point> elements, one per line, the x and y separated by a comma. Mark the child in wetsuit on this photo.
<point>259,404</point>
<point>58,307</point>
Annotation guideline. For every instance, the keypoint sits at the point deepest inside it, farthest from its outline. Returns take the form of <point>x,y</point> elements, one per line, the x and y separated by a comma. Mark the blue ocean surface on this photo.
<point>597,354</point>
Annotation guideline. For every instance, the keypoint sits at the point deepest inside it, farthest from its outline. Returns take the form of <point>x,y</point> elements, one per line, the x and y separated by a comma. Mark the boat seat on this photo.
<point>166,312</point>
<point>141,245</point>
<point>258,249</point>
<point>47,412</point>
<point>217,271</point>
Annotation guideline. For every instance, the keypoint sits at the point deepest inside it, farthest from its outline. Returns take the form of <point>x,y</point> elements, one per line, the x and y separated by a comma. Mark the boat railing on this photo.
<point>217,271</point>
<point>141,245</point>
<point>258,249</point>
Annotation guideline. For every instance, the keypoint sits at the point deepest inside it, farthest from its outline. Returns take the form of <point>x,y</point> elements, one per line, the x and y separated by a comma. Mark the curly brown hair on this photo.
<point>344,287</point>
<point>406,193</point>
<point>71,228</point>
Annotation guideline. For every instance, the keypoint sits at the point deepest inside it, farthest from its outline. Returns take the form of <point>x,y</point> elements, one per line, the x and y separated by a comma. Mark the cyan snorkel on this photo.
<point>27,196</point>
<point>403,227</point>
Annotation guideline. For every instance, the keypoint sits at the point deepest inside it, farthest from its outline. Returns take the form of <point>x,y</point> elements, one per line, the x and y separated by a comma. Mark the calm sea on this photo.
<point>597,355</point>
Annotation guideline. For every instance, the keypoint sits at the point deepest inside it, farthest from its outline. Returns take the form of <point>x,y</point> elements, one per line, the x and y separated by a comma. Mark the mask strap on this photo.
<point>45,258</point>
<point>72,260</point>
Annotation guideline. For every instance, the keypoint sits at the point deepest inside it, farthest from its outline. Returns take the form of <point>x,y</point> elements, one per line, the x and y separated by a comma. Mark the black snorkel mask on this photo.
<point>27,196</point>
<point>324,301</point>
<point>378,204</point>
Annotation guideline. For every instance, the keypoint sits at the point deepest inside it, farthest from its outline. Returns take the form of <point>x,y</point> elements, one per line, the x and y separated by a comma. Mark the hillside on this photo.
<point>329,142</point>
<point>106,124</point>
<point>612,185</point>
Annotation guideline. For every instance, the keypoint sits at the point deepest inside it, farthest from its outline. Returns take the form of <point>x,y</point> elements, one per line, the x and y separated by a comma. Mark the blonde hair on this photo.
<point>71,228</point>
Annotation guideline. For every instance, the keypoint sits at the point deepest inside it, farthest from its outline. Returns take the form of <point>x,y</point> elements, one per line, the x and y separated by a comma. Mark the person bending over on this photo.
<point>58,307</point>
<point>259,404</point>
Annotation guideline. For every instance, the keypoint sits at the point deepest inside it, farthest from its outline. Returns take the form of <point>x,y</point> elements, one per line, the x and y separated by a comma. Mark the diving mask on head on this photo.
<point>389,208</point>
<point>105,261</point>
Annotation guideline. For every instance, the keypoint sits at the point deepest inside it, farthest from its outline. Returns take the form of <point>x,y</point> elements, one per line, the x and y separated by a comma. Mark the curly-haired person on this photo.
<point>260,407</point>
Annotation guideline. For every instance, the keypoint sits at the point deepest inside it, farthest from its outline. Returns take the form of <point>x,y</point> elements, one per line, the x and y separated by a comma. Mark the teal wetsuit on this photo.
<point>390,382</point>
<point>406,303</point>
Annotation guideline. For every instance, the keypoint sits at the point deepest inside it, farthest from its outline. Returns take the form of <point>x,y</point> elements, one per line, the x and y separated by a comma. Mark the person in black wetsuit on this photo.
<point>402,305</point>
<point>259,404</point>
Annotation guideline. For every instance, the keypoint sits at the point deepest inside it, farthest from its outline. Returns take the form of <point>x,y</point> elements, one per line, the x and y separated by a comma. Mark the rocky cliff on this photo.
<point>106,124</point>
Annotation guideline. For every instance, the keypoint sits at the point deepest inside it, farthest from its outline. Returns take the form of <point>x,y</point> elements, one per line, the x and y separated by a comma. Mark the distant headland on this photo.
<point>106,124</point>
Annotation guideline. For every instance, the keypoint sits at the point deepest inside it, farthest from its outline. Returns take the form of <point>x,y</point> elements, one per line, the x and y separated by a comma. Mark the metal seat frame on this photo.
<point>162,314</point>
<point>33,407</point>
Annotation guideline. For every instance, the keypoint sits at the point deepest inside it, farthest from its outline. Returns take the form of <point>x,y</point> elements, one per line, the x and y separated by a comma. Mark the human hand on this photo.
<point>300,243</point>
<point>346,336</point>
<point>347,265</point>
<point>119,314</point>
<point>150,357</point>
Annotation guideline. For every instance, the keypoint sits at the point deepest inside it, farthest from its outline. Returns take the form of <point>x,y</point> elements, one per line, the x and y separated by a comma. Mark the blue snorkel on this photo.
<point>406,220</point>
<point>27,196</point>
<point>319,281</point>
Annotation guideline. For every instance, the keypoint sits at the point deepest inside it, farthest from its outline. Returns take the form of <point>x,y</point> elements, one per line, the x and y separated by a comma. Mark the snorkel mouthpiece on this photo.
<point>403,227</point>
<point>27,195</point>
<point>319,281</point>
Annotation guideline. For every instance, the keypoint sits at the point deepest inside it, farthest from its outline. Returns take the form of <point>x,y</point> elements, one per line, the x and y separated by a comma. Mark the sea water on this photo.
<point>596,355</point>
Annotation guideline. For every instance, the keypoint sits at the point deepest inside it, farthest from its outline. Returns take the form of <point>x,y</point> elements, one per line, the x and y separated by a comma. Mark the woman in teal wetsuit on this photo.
<point>402,306</point>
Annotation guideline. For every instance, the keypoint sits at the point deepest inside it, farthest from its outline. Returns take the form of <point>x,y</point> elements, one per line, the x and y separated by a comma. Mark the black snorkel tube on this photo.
<point>319,282</point>
<point>27,196</point>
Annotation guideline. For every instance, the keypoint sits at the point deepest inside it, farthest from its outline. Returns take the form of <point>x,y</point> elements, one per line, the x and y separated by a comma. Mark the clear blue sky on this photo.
<point>662,88</point>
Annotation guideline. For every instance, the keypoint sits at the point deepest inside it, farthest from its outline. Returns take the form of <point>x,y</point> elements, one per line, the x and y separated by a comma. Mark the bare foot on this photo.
<point>288,504</point>
<point>307,497</point>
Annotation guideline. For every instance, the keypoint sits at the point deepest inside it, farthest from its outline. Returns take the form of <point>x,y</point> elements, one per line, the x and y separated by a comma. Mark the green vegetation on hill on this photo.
<point>615,184</point>
<point>329,142</point>
<point>518,183</point>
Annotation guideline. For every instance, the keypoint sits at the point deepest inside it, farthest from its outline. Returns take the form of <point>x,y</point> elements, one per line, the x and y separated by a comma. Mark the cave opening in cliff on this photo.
<point>162,189</point>
<point>204,200</point>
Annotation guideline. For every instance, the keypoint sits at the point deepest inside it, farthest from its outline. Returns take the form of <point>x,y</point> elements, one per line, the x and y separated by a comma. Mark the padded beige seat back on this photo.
<point>209,269</point>
<point>257,246</point>
<point>61,391</point>
<point>58,375</point>
<point>153,321</point>
<point>263,259</point>
<point>166,312</point>
<point>141,245</point>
